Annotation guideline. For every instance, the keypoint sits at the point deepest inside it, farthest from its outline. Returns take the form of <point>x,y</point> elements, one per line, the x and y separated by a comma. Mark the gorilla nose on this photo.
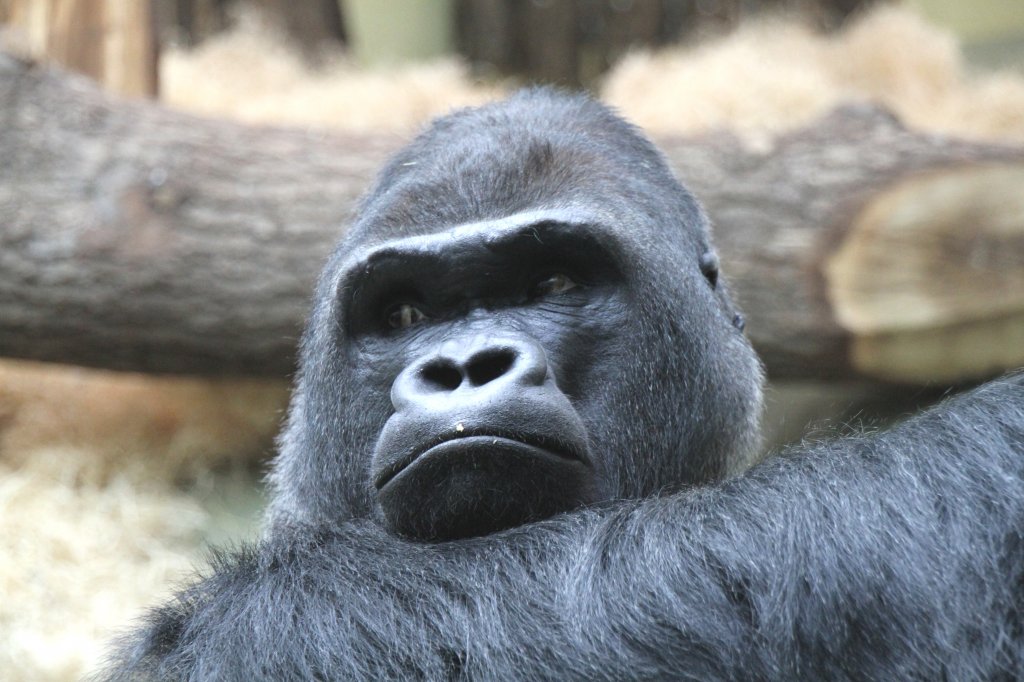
<point>470,367</point>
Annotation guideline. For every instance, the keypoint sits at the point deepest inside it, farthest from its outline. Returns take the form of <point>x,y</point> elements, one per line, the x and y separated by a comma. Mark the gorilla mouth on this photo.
<point>536,446</point>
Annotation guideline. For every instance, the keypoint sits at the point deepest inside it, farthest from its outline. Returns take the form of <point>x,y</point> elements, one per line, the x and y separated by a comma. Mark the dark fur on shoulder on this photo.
<point>893,555</point>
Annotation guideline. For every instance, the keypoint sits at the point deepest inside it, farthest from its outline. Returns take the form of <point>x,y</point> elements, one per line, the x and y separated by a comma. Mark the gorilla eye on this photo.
<point>405,315</point>
<point>555,284</point>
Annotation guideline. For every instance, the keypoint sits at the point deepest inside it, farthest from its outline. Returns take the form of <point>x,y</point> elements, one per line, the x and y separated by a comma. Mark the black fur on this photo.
<point>895,555</point>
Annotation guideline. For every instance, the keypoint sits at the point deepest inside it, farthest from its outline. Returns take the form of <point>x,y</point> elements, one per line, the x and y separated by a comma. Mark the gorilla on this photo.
<point>522,444</point>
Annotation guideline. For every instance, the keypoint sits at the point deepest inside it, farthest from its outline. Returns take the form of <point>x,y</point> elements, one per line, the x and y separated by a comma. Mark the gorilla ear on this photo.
<point>709,266</point>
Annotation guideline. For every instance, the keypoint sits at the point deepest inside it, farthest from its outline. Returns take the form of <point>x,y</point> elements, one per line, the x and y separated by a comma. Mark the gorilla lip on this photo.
<point>536,445</point>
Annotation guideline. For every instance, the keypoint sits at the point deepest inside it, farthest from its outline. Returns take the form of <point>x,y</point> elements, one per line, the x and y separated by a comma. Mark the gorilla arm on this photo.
<point>882,556</point>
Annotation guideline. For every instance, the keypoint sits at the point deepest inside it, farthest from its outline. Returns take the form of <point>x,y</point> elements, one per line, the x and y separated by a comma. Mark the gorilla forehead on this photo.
<point>533,152</point>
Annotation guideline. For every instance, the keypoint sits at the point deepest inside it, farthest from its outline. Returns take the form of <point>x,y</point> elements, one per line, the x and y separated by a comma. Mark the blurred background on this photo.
<point>113,483</point>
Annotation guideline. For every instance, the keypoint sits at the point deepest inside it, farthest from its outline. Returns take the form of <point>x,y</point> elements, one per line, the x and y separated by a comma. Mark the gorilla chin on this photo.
<point>482,484</point>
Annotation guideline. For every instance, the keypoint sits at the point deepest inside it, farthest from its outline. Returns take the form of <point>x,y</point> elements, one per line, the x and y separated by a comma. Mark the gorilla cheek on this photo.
<point>481,440</point>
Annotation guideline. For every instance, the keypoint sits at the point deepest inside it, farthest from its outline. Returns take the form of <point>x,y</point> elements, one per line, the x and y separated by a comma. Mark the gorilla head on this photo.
<point>525,318</point>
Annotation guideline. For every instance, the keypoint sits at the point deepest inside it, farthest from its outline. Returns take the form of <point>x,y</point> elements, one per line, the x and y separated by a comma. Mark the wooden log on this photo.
<point>930,275</point>
<point>136,237</point>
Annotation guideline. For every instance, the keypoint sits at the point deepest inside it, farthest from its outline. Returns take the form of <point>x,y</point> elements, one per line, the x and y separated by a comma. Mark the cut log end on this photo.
<point>929,280</point>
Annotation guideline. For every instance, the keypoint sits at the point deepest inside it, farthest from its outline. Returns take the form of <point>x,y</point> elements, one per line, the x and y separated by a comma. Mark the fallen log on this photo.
<point>137,237</point>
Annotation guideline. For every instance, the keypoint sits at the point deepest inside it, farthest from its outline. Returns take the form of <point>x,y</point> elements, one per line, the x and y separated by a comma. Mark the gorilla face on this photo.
<point>526,319</point>
<point>476,329</point>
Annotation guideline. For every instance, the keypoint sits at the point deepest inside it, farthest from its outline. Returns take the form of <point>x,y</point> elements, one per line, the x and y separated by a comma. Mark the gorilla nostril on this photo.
<point>441,376</point>
<point>489,365</point>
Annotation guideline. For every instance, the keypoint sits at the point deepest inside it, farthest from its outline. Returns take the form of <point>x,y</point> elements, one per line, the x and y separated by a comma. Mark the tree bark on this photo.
<point>140,238</point>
